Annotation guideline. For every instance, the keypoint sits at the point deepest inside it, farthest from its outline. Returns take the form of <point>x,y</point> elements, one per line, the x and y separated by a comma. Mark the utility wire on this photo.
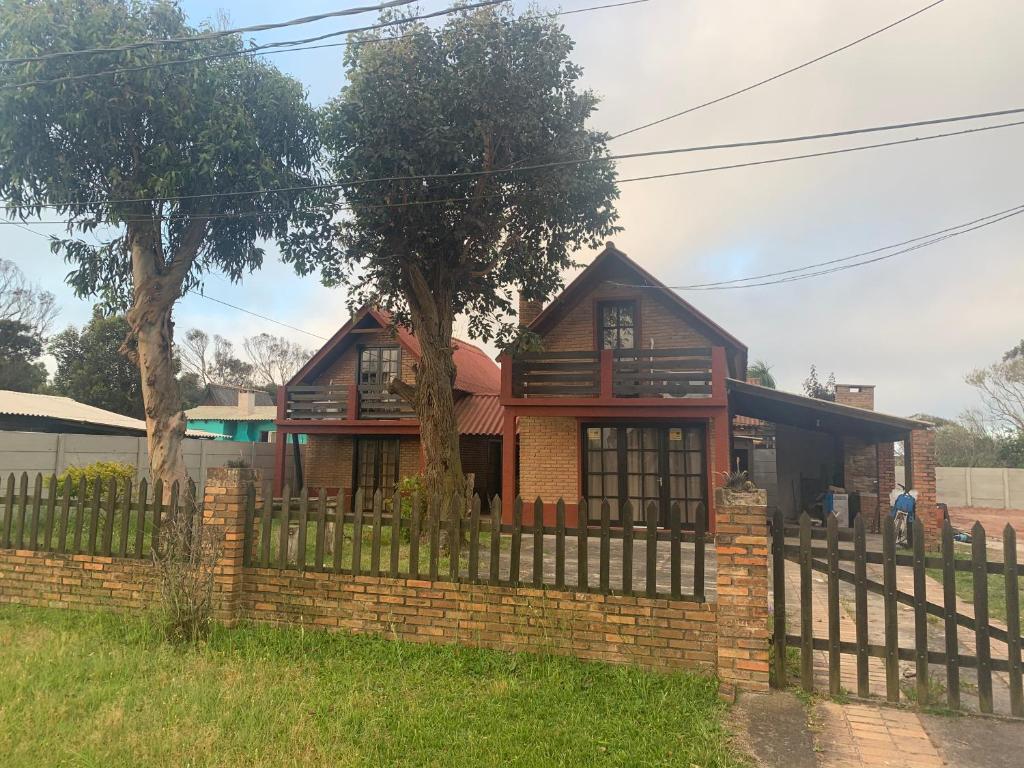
<point>438,201</point>
<point>209,298</point>
<point>209,35</point>
<point>259,50</point>
<point>695,286</point>
<point>579,161</point>
<point>985,221</point>
<point>767,80</point>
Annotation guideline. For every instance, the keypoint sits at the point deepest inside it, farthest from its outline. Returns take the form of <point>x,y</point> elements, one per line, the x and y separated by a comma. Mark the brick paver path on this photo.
<point>856,735</point>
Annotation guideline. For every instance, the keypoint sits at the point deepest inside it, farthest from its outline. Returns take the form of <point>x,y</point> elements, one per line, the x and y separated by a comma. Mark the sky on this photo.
<point>913,325</point>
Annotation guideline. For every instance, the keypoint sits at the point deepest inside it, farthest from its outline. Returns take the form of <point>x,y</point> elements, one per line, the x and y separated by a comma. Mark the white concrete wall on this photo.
<point>995,487</point>
<point>36,452</point>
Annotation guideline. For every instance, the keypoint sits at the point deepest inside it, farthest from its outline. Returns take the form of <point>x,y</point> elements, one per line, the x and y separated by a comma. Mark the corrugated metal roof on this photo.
<point>66,409</point>
<point>479,415</point>
<point>231,413</point>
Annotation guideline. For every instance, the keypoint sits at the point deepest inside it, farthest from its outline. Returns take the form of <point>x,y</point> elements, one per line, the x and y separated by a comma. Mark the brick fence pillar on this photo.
<point>886,482</point>
<point>922,480</point>
<point>224,501</point>
<point>741,541</point>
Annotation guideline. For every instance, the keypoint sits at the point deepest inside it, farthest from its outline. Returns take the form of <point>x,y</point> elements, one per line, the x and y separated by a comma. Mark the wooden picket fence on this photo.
<point>441,541</point>
<point>824,550</point>
<point>98,518</point>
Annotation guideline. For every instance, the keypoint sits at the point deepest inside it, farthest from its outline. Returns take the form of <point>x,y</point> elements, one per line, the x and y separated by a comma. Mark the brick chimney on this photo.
<point>857,395</point>
<point>246,401</point>
<point>529,309</point>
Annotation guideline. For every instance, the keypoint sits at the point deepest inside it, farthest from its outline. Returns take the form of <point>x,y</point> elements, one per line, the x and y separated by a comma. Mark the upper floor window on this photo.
<point>379,365</point>
<point>617,328</point>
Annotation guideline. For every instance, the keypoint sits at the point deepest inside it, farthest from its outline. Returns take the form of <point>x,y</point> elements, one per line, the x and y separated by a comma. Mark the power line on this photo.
<point>767,80</point>
<point>204,296</point>
<point>564,163</point>
<point>257,314</point>
<point>985,221</point>
<point>695,286</point>
<point>209,35</point>
<point>260,50</point>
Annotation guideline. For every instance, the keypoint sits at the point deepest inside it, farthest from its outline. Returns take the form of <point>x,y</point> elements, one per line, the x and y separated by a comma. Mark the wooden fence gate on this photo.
<point>831,550</point>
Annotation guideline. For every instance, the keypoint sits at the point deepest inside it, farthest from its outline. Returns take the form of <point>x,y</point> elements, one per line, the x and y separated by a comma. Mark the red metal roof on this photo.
<point>479,415</point>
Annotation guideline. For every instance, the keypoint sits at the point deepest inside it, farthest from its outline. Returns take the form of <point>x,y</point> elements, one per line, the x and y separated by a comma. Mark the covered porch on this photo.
<point>812,446</point>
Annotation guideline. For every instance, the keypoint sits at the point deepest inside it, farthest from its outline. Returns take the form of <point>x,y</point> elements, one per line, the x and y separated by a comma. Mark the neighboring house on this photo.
<point>362,437</point>
<point>244,420</point>
<point>227,394</point>
<point>27,412</point>
<point>632,399</point>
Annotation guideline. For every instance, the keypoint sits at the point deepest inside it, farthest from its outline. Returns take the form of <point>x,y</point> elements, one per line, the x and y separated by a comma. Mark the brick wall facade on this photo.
<point>343,370</point>
<point>329,461</point>
<point>660,323</point>
<point>654,633</point>
<point>922,480</point>
<point>549,458</point>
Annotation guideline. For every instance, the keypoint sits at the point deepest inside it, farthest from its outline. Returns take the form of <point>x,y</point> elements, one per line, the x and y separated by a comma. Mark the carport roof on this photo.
<point>821,415</point>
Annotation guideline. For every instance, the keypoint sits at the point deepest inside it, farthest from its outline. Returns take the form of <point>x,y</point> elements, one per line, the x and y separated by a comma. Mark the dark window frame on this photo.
<point>634,307</point>
<point>378,373</point>
<point>360,449</point>
<point>664,449</point>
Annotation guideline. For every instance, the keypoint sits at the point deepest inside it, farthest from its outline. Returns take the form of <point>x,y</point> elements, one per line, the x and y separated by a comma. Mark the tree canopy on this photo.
<point>24,302</point>
<point>20,349</point>
<point>91,368</point>
<point>162,163</point>
<point>466,170</point>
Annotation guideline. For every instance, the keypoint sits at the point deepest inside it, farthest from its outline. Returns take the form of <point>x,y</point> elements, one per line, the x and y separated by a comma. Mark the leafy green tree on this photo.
<point>19,354</point>
<point>92,369</point>
<point>761,372</point>
<point>438,117</point>
<point>157,161</point>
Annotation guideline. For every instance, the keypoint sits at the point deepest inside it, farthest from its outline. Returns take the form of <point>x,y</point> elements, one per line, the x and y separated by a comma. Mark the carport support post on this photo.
<point>741,541</point>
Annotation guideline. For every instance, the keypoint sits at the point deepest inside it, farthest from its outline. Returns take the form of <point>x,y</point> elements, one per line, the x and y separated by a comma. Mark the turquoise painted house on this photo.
<point>240,415</point>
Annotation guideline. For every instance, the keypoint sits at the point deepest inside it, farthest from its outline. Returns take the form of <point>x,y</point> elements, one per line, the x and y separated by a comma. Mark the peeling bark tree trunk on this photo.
<point>151,346</point>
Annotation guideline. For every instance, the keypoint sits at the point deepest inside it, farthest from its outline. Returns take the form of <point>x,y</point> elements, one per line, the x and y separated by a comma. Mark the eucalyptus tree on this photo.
<point>156,163</point>
<point>466,170</point>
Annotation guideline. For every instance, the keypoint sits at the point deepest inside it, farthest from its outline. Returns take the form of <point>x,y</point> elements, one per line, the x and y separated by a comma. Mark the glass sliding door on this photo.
<point>376,466</point>
<point>642,464</point>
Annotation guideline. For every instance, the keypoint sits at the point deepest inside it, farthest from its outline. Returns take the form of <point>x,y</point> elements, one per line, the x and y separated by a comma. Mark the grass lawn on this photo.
<point>81,689</point>
<point>965,586</point>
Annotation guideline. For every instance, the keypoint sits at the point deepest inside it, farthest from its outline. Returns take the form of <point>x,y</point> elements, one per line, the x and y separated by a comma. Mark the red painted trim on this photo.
<point>367,427</point>
<point>506,376</point>
<point>619,410</point>
<point>508,463</point>
<point>279,462</point>
<point>352,408</point>
<point>722,429</point>
<point>719,373</point>
<point>606,375</point>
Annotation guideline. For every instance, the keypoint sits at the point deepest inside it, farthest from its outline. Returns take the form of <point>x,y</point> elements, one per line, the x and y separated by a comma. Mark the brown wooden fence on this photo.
<point>98,518</point>
<point>441,541</point>
<point>828,550</point>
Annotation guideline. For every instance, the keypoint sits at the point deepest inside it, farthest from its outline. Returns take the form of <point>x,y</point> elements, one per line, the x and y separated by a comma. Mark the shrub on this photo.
<point>103,471</point>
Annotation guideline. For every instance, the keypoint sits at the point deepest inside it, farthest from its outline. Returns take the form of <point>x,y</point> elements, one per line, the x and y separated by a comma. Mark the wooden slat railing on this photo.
<point>375,402</point>
<point>556,374</point>
<point>426,541</point>
<point>680,372</point>
<point>317,402</point>
<point>106,518</point>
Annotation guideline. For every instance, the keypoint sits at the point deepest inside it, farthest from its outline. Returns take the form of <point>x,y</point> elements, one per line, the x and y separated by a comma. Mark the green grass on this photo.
<point>965,586</point>
<point>81,689</point>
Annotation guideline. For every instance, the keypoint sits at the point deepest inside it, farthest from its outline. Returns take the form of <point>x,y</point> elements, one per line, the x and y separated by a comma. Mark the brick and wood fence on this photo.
<point>621,594</point>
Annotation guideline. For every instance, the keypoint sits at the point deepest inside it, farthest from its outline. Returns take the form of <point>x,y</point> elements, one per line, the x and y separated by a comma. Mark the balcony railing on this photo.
<point>339,402</point>
<point>661,372</point>
<point>621,373</point>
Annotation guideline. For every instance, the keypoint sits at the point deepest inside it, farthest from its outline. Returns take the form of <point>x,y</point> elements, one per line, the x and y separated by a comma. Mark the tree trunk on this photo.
<point>152,329</point>
<point>433,317</point>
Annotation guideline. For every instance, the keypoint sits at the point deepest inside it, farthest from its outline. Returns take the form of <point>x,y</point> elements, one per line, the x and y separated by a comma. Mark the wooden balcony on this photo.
<point>335,402</point>
<point>648,376</point>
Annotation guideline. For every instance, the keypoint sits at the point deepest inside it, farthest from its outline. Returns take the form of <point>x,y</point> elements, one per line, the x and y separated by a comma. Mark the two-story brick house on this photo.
<point>631,397</point>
